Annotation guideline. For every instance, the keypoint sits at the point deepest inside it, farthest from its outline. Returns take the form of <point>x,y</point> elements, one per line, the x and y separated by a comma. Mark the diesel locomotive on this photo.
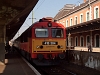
<point>43,40</point>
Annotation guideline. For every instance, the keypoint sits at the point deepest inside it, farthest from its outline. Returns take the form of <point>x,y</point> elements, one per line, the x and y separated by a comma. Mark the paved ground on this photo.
<point>14,65</point>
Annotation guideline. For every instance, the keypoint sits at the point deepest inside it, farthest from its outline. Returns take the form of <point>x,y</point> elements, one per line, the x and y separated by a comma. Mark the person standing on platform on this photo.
<point>89,47</point>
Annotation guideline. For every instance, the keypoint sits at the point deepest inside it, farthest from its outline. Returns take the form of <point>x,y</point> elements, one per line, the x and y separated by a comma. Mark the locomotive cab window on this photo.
<point>41,32</point>
<point>57,33</point>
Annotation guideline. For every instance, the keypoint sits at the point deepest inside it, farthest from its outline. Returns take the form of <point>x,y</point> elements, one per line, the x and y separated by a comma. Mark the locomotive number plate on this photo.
<point>49,43</point>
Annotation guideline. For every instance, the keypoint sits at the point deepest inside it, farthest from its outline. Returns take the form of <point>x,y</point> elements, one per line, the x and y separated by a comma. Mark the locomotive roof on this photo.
<point>45,24</point>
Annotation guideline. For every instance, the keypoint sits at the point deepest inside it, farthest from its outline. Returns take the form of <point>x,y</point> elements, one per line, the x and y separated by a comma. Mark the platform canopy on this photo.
<point>13,13</point>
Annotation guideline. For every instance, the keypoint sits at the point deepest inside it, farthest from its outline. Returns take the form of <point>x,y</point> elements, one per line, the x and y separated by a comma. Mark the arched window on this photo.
<point>81,17</point>
<point>97,43</point>
<point>76,20</point>
<point>81,41</point>
<point>87,39</point>
<point>87,16</point>
<point>76,41</point>
<point>66,23</point>
<point>71,22</point>
<point>71,41</point>
<point>96,12</point>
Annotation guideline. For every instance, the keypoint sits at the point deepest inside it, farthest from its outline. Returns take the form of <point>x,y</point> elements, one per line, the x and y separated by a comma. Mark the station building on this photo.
<point>82,24</point>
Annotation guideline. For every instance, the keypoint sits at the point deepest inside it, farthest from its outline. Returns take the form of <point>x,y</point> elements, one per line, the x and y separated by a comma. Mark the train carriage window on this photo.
<point>41,32</point>
<point>57,33</point>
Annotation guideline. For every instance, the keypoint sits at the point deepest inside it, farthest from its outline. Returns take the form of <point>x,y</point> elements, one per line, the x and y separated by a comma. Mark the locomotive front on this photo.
<point>48,40</point>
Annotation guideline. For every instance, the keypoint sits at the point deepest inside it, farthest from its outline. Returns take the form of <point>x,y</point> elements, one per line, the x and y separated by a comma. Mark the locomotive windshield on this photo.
<point>57,33</point>
<point>41,32</point>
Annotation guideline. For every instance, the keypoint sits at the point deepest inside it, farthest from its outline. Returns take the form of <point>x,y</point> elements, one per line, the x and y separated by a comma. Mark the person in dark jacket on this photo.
<point>89,47</point>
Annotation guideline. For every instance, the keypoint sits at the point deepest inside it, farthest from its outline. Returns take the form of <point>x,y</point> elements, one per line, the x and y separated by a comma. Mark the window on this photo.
<point>66,23</point>
<point>81,20</point>
<point>57,33</point>
<point>76,41</point>
<point>96,12</point>
<point>41,32</point>
<point>75,20</point>
<point>71,22</point>
<point>71,41</point>
<point>87,39</point>
<point>97,43</point>
<point>81,41</point>
<point>81,17</point>
<point>87,16</point>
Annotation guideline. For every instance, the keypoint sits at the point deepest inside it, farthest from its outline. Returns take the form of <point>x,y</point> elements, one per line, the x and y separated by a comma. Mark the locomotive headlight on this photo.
<point>37,47</point>
<point>49,24</point>
<point>41,46</point>
<point>61,47</point>
<point>58,46</point>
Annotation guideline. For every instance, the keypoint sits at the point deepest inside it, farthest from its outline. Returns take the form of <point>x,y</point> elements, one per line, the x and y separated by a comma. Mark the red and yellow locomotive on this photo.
<point>45,40</point>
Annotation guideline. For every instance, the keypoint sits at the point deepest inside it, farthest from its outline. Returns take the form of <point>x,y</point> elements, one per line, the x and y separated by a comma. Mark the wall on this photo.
<point>84,58</point>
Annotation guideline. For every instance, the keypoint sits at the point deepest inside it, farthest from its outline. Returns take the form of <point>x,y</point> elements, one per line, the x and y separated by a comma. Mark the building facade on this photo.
<point>82,24</point>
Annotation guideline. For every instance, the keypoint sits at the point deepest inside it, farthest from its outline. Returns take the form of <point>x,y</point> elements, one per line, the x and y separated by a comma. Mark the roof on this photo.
<point>64,11</point>
<point>13,14</point>
<point>73,10</point>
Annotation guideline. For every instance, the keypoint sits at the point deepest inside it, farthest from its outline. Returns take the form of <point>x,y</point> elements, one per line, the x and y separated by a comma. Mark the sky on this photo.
<point>45,8</point>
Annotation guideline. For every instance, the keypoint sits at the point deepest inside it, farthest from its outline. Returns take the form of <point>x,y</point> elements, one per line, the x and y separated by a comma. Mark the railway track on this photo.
<point>65,68</point>
<point>55,70</point>
<point>52,70</point>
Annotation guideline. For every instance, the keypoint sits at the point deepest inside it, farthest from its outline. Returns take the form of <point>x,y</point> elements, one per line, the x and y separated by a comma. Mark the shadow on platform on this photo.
<point>14,65</point>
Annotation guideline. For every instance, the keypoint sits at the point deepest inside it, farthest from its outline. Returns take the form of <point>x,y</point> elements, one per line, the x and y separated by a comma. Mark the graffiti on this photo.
<point>91,60</point>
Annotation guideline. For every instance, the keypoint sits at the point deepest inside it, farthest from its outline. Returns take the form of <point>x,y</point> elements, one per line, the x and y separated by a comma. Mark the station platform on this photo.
<point>15,65</point>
